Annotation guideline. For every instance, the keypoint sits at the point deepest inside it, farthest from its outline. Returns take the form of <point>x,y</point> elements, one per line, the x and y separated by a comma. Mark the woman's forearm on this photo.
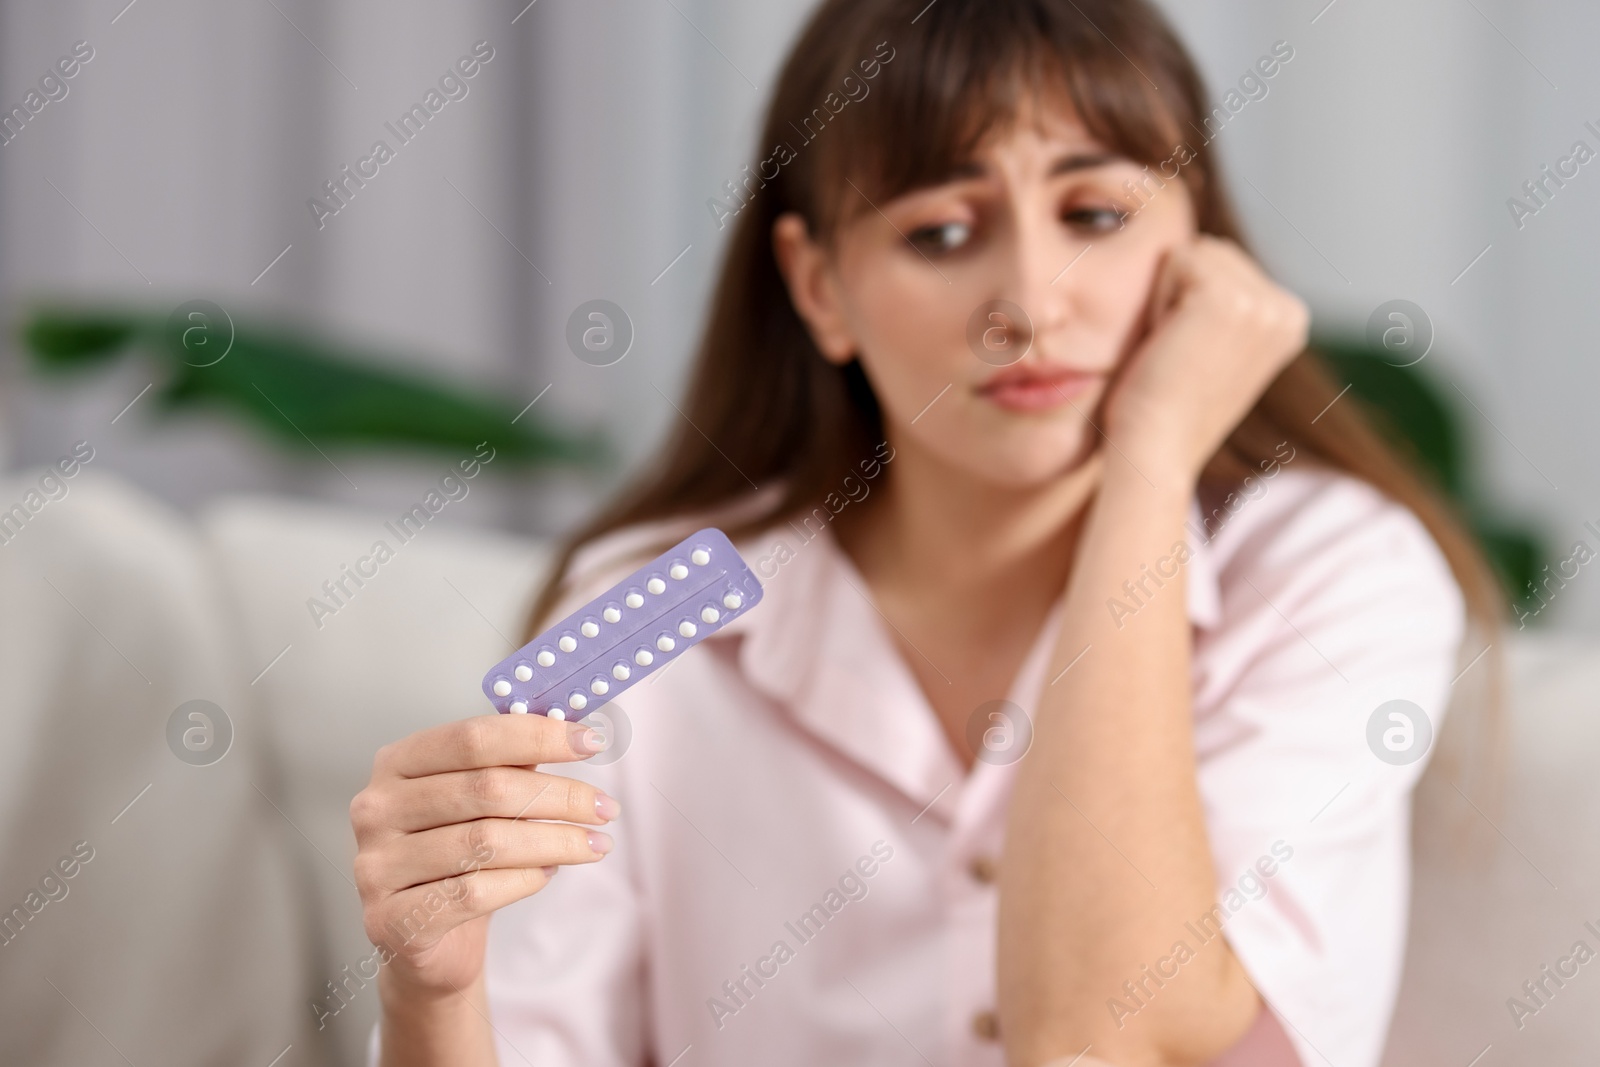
<point>1106,854</point>
<point>429,1032</point>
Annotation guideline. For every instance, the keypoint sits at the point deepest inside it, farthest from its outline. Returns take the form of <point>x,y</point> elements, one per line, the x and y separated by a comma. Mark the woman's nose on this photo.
<point>1036,276</point>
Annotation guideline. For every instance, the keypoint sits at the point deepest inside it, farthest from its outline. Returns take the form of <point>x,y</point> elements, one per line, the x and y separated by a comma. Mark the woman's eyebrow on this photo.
<point>1066,164</point>
<point>1084,161</point>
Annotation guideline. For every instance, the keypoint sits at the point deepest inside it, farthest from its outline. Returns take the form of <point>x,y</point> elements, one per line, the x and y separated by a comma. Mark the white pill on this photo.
<point>700,557</point>
<point>547,658</point>
<point>643,657</point>
<point>502,688</point>
<point>686,628</point>
<point>665,643</point>
<point>620,672</point>
<point>679,572</point>
<point>578,701</point>
<point>710,615</point>
<point>611,615</point>
<point>599,687</point>
<point>589,629</point>
<point>523,672</point>
<point>733,601</point>
<point>556,713</point>
<point>567,643</point>
<point>519,708</point>
<point>634,600</point>
<point>656,585</point>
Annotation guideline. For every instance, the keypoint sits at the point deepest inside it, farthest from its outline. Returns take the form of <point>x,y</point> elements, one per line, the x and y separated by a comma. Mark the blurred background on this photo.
<point>181,163</point>
<point>189,158</point>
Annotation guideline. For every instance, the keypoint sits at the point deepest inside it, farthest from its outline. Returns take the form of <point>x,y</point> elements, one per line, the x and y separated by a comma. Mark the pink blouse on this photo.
<point>805,874</point>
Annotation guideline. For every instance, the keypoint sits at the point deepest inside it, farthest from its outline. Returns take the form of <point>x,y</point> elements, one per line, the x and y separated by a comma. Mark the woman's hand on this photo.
<point>443,839</point>
<point>1218,331</point>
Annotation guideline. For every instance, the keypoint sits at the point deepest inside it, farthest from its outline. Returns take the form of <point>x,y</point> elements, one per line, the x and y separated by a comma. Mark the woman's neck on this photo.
<point>944,539</point>
<point>965,572</point>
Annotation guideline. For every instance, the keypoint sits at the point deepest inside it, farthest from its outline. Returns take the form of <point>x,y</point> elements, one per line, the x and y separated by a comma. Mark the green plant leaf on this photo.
<point>302,391</point>
<point>1419,418</point>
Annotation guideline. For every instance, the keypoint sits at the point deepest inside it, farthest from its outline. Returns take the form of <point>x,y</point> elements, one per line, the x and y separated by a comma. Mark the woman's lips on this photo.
<point>1037,392</point>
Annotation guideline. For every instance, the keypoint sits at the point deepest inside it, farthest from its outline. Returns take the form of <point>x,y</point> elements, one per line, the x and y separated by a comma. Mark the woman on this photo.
<point>1050,736</point>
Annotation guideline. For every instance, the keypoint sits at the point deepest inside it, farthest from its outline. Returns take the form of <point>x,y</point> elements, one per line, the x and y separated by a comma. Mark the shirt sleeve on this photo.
<point>1317,701</point>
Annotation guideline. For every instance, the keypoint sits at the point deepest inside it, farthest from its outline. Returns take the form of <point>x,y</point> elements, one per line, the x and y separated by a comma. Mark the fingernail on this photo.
<point>606,807</point>
<point>584,740</point>
<point>600,842</point>
<point>550,871</point>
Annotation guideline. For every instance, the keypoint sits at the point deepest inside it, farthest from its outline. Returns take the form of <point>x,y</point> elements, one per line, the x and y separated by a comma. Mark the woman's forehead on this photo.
<point>973,129</point>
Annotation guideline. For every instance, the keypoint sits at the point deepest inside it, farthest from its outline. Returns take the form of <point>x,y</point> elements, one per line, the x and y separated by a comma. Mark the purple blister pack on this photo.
<point>633,629</point>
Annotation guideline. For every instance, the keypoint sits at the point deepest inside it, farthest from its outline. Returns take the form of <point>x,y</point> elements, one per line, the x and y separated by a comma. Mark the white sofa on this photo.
<point>218,907</point>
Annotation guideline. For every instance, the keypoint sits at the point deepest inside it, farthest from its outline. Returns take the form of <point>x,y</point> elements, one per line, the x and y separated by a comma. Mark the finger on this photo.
<point>1209,268</point>
<point>487,792</point>
<point>1156,303</point>
<point>1174,275</point>
<point>481,845</point>
<point>488,741</point>
<point>418,917</point>
<point>1232,266</point>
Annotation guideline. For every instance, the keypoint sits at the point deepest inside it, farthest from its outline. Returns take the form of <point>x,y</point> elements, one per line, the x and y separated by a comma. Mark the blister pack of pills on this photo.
<point>627,633</point>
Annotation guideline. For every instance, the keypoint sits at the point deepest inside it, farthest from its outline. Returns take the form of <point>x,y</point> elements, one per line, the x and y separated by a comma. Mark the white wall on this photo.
<point>1390,145</point>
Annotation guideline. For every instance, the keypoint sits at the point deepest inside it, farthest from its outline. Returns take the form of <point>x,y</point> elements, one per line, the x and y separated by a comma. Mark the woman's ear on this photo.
<point>813,287</point>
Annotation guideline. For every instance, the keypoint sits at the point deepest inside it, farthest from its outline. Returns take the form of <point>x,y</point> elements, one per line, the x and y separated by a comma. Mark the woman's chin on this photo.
<point>1016,455</point>
<point>1037,467</point>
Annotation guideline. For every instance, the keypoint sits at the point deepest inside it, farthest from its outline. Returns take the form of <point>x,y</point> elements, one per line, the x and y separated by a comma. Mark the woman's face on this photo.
<point>1043,219</point>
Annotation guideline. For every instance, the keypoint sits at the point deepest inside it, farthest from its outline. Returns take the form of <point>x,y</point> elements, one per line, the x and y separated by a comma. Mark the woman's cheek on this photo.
<point>1121,297</point>
<point>902,383</point>
<point>911,349</point>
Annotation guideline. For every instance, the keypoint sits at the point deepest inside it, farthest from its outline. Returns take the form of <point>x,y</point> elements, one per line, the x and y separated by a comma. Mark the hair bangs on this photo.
<point>970,71</point>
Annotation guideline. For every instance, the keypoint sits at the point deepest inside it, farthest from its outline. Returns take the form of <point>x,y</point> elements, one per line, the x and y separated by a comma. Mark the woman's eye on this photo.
<point>944,237</point>
<point>1096,219</point>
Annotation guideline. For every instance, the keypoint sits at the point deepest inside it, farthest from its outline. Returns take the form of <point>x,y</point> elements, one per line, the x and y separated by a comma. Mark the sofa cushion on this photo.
<point>1489,910</point>
<point>347,668</point>
<point>178,934</point>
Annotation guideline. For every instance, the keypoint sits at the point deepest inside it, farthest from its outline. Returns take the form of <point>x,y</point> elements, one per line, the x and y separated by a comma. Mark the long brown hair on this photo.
<point>877,99</point>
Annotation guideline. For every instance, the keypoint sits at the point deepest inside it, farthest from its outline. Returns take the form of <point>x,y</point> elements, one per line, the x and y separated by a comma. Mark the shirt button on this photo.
<point>986,1024</point>
<point>983,870</point>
